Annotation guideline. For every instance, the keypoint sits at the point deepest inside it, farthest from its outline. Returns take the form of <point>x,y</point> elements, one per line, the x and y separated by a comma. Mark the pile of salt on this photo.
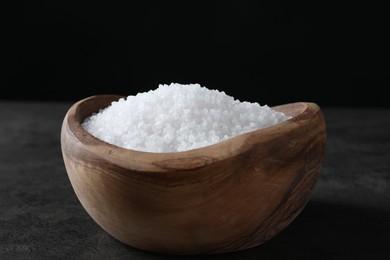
<point>178,117</point>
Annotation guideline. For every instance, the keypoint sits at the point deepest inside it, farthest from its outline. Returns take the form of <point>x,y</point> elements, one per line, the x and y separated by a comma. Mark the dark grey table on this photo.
<point>348,216</point>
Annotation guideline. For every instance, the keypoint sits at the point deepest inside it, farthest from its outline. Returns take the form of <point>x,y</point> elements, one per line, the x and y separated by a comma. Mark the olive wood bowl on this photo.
<point>229,196</point>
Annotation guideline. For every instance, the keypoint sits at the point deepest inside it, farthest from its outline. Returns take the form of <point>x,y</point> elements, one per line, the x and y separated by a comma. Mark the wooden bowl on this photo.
<point>225,197</point>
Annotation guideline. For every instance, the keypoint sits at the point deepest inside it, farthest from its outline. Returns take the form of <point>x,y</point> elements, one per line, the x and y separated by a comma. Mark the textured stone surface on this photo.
<point>348,216</point>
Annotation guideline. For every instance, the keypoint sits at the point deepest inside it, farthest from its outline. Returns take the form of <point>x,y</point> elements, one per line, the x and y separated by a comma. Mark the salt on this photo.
<point>178,117</point>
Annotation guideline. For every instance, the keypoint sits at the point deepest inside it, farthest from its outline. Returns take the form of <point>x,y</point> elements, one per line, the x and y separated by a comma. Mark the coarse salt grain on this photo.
<point>178,117</point>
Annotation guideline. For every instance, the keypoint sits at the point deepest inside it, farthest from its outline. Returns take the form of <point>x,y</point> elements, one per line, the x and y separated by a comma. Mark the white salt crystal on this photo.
<point>178,117</point>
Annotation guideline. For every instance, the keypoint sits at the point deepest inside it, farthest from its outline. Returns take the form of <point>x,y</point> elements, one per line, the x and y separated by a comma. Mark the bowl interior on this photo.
<point>186,159</point>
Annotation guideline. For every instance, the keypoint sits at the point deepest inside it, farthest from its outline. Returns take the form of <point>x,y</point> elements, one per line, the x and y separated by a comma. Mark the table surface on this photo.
<point>347,217</point>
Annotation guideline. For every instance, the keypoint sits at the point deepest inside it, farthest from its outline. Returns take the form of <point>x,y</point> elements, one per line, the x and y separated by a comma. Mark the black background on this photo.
<point>334,54</point>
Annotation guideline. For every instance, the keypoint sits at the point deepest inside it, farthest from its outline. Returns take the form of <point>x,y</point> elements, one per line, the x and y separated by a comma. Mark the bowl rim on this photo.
<point>300,112</point>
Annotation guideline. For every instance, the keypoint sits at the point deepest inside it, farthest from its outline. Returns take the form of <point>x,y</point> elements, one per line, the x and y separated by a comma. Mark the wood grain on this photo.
<point>225,197</point>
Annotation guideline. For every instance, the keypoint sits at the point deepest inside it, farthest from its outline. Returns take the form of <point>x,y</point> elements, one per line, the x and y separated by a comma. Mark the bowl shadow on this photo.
<point>322,231</point>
